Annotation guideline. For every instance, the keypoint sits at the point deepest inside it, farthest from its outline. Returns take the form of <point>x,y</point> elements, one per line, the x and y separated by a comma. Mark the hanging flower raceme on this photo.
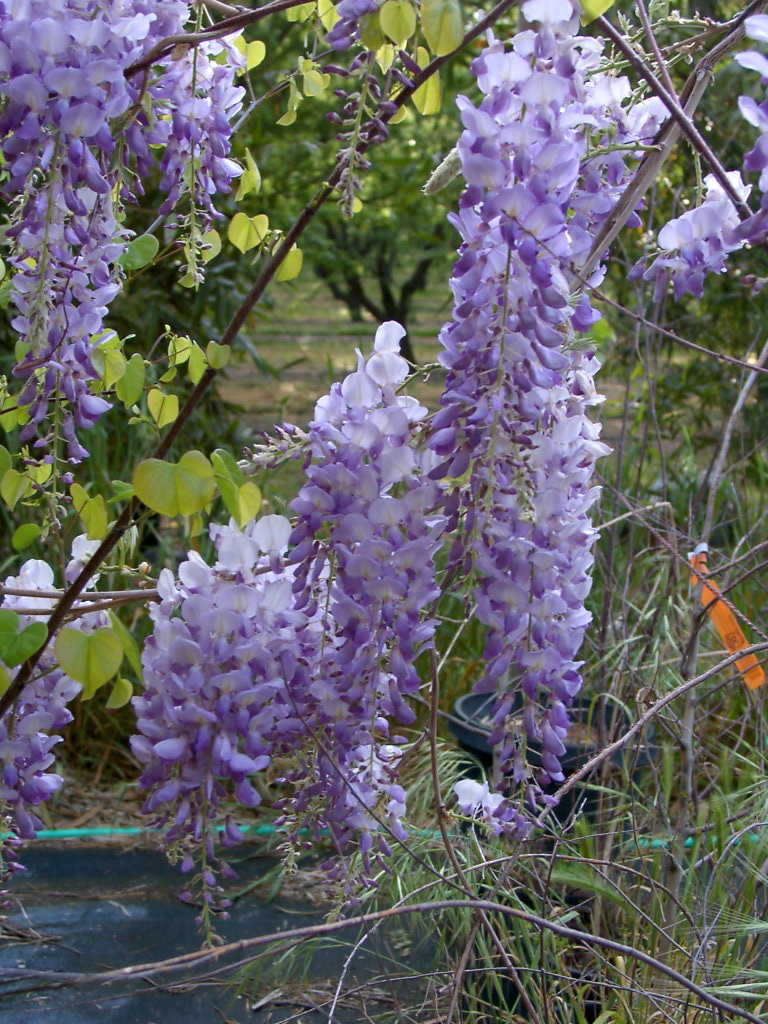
<point>73,122</point>
<point>253,659</point>
<point>29,730</point>
<point>699,242</point>
<point>516,444</point>
<point>366,521</point>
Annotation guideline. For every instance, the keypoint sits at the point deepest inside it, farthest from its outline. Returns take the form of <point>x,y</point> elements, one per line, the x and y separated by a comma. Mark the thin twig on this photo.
<point>60,979</point>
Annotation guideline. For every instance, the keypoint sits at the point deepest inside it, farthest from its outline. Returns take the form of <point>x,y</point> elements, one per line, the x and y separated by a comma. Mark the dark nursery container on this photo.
<point>595,721</point>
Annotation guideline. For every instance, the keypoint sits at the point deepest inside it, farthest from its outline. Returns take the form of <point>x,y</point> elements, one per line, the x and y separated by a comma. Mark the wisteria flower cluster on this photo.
<point>301,658</point>
<point>698,242</point>
<point>78,132</point>
<point>29,731</point>
<point>514,420</point>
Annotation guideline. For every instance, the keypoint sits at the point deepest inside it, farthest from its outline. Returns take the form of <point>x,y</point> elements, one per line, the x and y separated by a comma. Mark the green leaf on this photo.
<point>94,518</point>
<point>246,233</point>
<point>291,265</point>
<point>140,252</point>
<point>255,53</point>
<point>128,642</point>
<point>197,364</point>
<point>211,245</point>
<point>195,483</point>
<point>371,35</point>
<point>442,24</point>
<point>398,21</point>
<point>5,460</point>
<point>163,408</point>
<point>121,490</point>
<point>89,658</point>
<point>179,349</point>
<point>300,13</point>
<point>154,483</point>
<point>122,692</point>
<point>5,681</point>
<point>181,489</point>
<point>591,9</point>
<point>131,384</point>
<point>248,503</point>
<point>13,487</point>
<point>25,535</point>
<point>16,647</point>
<point>218,356</point>
<point>114,367</point>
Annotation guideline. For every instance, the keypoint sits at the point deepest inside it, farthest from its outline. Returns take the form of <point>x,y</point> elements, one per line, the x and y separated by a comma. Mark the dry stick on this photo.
<point>220,28</point>
<point>683,120</point>
<point>59,979</point>
<point>123,522</point>
<point>715,475</point>
<point>645,21</point>
<point>640,724</point>
<point>649,168</point>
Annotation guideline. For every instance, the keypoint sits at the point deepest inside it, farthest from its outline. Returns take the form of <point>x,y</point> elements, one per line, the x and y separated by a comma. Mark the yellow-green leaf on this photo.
<point>300,13</point>
<point>195,483</point>
<point>89,658</point>
<point>250,179</point>
<point>130,647</point>
<point>131,384</point>
<point>94,518</point>
<point>181,489</point>
<point>247,232</point>
<point>255,53</point>
<point>163,408</point>
<point>248,503</point>
<point>154,483</point>
<point>114,367</point>
<point>291,265</point>
<point>122,692</point>
<point>327,13</point>
<point>218,356</point>
<point>385,57</point>
<point>591,9</point>
<point>428,98</point>
<point>398,20</point>
<point>211,245</point>
<point>371,35</point>
<point>197,364</point>
<point>442,24</point>
<point>179,348</point>
<point>25,535</point>
<point>5,459</point>
<point>14,486</point>
<point>5,680</point>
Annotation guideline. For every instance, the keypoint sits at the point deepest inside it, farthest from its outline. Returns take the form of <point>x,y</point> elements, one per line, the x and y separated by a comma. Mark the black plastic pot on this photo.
<point>471,726</point>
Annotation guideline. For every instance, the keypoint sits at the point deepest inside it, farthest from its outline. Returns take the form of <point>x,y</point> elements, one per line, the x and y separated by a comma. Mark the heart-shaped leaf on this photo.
<point>90,658</point>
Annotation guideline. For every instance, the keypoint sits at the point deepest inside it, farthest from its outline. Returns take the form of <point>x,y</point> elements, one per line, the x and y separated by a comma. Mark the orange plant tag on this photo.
<point>724,621</point>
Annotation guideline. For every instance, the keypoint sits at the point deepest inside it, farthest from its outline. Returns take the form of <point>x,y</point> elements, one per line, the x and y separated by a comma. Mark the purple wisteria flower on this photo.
<point>73,126</point>
<point>514,419</point>
<point>698,242</point>
<point>345,31</point>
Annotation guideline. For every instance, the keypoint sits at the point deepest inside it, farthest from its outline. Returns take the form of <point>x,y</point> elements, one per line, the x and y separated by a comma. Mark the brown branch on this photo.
<point>677,112</point>
<point>221,28</point>
<point>59,979</point>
